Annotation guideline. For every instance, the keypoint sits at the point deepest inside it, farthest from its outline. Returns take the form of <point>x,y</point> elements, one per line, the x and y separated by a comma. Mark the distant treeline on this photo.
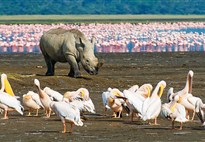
<point>45,7</point>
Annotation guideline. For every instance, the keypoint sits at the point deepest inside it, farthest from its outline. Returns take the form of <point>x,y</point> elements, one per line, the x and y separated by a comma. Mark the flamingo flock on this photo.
<point>143,102</point>
<point>123,37</point>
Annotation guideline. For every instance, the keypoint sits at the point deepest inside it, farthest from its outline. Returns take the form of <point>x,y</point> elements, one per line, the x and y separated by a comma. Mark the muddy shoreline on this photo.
<point>121,70</point>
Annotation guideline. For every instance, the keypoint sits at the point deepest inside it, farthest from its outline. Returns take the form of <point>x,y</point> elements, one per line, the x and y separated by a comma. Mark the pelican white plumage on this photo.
<point>7,93</point>
<point>66,111</point>
<point>152,105</point>
<point>174,111</point>
<point>30,104</point>
<point>54,94</point>
<point>81,92</point>
<point>89,106</point>
<point>8,103</point>
<point>133,88</point>
<point>6,87</point>
<point>31,100</point>
<point>84,105</point>
<point>45,99</point>
<point>82,95</point>
<point>36,98</point>
<point>134,100</point>
<point>145,90</point>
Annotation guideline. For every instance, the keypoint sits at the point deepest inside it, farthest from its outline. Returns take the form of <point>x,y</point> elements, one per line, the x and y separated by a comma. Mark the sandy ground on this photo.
<point>120,71</point>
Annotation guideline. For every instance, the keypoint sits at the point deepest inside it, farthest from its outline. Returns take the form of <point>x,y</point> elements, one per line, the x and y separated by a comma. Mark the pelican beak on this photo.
<point>149,92</point>
<point>190,84</point>
<point>173,107</point>
<point>82,93</point>
<point>161,89</point>
<point>8,88</point>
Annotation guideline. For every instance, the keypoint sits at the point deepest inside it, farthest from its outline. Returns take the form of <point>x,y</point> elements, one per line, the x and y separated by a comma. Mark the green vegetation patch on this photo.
<point>49,19</point>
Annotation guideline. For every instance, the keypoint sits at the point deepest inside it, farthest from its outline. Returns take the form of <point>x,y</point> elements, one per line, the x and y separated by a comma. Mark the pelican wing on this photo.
<point>11,102</point>
<point>65,110</point>
<point>187,104</point>
<point>134,100</point>
<point>30,103</point>
<point>89,106</point>
<point>180,113</point>
<point>54,94</point>
<point>193,99</point>
<point>151,108</point>
<point>35,97</point>
<point>78,104</point>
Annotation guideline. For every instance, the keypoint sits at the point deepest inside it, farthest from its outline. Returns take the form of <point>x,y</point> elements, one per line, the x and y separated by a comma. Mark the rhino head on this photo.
<point>87,57</point>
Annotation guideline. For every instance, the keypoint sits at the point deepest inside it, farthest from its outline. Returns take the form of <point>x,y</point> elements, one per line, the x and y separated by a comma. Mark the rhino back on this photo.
<point>55,42</point>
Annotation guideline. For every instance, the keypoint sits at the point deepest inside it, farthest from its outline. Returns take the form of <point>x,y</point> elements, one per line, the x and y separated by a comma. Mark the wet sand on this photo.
<point>120,71</point>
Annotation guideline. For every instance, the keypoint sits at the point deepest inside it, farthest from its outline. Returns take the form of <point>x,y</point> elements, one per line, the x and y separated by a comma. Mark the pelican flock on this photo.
<point>143,102</point>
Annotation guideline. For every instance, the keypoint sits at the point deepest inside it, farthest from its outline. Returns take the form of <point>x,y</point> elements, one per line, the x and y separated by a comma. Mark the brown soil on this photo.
<point>120,71</point>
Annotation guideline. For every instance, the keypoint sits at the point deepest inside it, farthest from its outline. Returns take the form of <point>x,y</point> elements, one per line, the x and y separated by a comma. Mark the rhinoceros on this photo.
<point>72,46</point>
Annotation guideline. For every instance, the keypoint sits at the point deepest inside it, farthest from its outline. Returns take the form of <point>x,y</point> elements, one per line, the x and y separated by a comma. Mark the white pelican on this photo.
<point>32,101</point>
<point>110,101</point>
<point>185,95</point>
<point>66,111</point>
<point>54,94</point>
<point>45,99</point>
<point>8,103</point>
<point>174,111</point>
<point>82,94</point>
<point>152,105</point>
<point>134,100</point>
<point>116,105</point>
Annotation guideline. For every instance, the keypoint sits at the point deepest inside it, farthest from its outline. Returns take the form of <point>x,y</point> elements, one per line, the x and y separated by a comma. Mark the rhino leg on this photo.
<point>74,67</point>
<point>50,66</point>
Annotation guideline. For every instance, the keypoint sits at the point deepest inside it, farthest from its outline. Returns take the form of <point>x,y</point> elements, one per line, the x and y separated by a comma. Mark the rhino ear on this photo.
<point>93,41</point>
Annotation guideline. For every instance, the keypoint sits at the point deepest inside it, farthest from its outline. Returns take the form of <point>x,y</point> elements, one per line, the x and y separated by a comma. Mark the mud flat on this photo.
<point>120,71</point>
